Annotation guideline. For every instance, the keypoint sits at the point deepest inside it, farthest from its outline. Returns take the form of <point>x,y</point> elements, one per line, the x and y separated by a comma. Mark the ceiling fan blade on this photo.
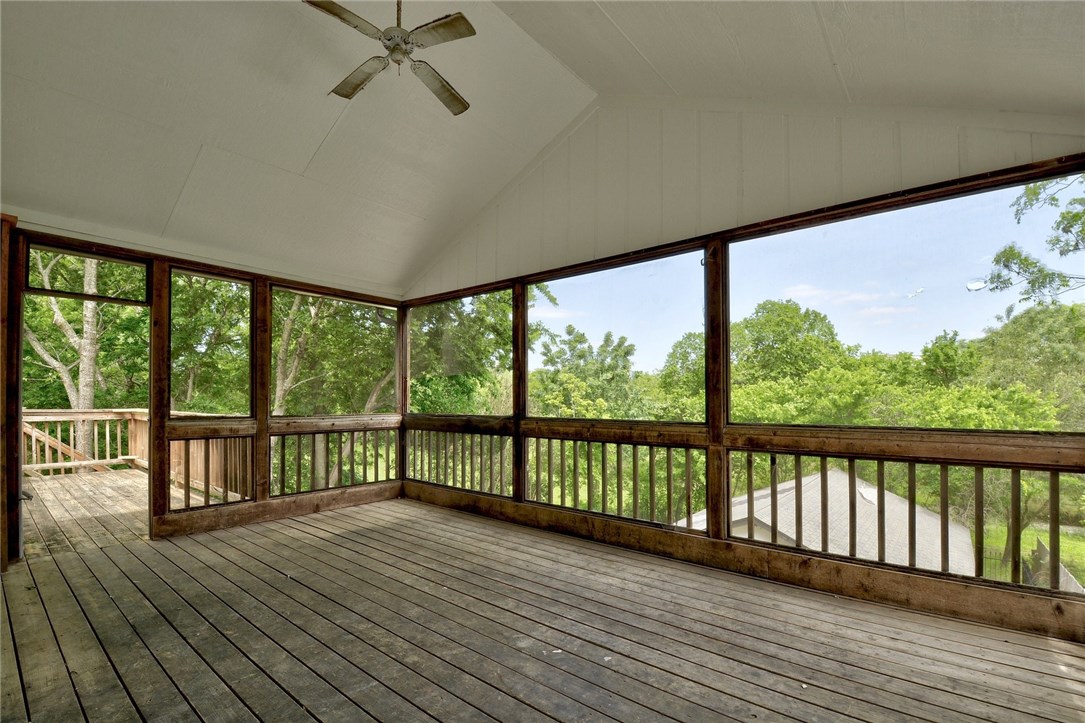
<point>339,12</point>
<point>361,76</point>
<point>439,87</point>
<point>441,30</point>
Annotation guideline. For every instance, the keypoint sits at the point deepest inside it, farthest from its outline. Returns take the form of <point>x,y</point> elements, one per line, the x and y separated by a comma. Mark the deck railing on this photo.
<point>993,510</point>
<point>60,441</point>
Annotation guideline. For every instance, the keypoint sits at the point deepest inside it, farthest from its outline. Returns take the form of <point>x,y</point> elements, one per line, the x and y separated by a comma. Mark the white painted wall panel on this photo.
<point>814,173</point>
<point>680,174</point>
<point>985,148</point>
<point>764,167</point>
<point>581,195</point>
<point>1047,145</point>
<point>636,172</point>
<point>720,151</point>
<point>612,190</point>
<point>870,162</point>
<point>645,182</point>
<point>929,153</point>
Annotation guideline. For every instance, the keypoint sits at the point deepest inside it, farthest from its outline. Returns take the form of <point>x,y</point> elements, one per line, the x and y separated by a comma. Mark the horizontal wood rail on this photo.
<point>345,423</point>
<point>664,434</point>
<point>466,424</point>
<point>1028,450</point>
<point>61,441</point>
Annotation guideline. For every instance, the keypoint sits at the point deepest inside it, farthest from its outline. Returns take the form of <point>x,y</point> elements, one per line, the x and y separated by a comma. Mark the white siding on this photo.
<point>636,172</point>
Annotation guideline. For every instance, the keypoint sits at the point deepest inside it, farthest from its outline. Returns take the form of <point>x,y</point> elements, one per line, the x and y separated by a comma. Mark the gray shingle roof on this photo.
<point>927,525</point>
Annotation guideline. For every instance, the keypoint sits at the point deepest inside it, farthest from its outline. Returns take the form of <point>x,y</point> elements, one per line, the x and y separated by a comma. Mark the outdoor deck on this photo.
<point>402,611</point>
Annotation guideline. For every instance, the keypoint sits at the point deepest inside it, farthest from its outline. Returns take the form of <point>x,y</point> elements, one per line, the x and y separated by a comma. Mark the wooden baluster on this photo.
<point>576,475</point>
<point>689,488</point>
<point>297,463</point>
<point>636,482</point>
<point>824,471</point>
<point>852,507</point>
<point>550,471</point>
<point>911,514</point>
<point>652,483</point>
<point>604,483</point>
<point>798,500</point>
<point>1053,524</point>
<point>538,471</point>
<point>207,472</point>
<point>618,488</point>
<point>977,486</point>
<point>388,455</point>
<point>1015,525</point>
<point>774,498</point>
<point>749,496</point>
<point>943,515</point>
<point>562,444</point>
<point>591,478</point>
<point>881,511</point>
<point>670,486</point>
<point>187,475</point>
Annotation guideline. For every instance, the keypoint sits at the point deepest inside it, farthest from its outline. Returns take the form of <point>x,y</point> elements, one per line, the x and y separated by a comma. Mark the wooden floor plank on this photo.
<point>304,607</point>
<point>556,605</point>
<point>224,651</point>
<point>434,656</point>
<point>401,611</point>
<point>12,703</point>
<point>492,641</point>
<point>666,693</point>
<point>52,538</point>
<point>146,682</point>
<point>47,686</point>
<point>651,603</point>
<point>204,690</point>
<point>288,653</point>
<point>100,692</point>
<point>479,654</point>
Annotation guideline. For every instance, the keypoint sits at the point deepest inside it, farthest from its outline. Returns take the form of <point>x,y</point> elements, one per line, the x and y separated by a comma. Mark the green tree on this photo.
<point>579,380</point>
<point>948,359</point>
<point>1016,268</point>
<point>782,340</point>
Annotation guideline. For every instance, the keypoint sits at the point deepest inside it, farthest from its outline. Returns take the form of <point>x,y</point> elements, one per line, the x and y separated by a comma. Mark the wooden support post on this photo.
<point>12,278</point>
<point>519,390</point>
<point>159,403</point>
<point>717,495</point>
<point>403,386</point>
<point>261,389</point>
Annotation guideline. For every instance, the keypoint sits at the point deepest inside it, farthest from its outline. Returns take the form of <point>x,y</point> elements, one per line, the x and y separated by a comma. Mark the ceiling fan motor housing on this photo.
<point>397,42</point>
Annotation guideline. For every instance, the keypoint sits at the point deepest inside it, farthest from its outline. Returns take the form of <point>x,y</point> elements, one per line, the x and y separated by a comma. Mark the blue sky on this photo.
<point>891,281</point>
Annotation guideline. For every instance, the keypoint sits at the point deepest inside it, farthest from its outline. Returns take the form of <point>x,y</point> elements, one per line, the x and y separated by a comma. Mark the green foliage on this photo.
<point>579,380</point>
<point>331,356</point>
<point>209,345</point>
<point>947,359</point>
<point>1037,281</point>
<point>781,340</point>
<point>460,351</point>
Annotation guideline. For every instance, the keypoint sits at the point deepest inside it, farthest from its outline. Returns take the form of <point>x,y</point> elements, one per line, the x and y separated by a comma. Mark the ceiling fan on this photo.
<point>400,44</point>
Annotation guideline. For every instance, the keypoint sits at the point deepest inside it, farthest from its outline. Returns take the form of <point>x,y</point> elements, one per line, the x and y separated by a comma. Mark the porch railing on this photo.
<point>60,441</point>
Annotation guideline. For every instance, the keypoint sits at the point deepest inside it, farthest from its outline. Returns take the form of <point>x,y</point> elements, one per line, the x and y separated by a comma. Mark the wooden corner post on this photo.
<point>12,278</point>
<point>159,403</point>
<point>716,369</point>
<point>403,385</point>
<point>519,390</point>
<point>261,388</point>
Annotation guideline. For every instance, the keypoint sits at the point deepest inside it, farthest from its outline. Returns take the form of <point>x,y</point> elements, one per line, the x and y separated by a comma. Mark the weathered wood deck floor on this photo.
<point>400,611</point>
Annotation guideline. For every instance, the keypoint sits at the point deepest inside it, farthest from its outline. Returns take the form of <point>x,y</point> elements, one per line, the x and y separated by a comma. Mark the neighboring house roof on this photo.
<point>927,524</point>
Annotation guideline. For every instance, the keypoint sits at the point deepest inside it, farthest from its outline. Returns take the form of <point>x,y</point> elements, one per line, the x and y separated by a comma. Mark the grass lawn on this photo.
<point>1071,548</point>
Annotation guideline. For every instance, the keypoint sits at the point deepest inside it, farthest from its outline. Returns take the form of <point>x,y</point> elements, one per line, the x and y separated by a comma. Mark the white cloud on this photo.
<point>814,295</point>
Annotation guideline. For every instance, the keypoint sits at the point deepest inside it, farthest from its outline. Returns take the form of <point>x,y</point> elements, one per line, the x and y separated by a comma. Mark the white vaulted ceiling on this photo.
<point>206,130</point>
